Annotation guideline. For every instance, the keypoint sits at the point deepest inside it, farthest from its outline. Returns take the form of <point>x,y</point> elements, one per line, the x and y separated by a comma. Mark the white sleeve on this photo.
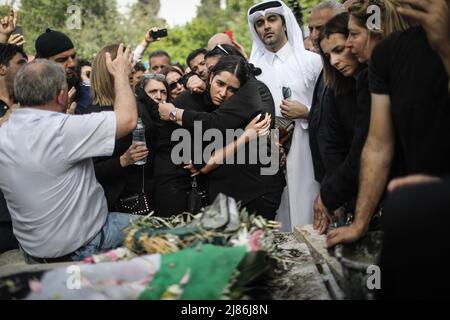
<point>88,136</point>
<point>139,53</point>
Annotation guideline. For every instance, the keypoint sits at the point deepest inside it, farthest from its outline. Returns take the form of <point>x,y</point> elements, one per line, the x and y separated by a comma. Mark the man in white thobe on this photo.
<point>279,51</point>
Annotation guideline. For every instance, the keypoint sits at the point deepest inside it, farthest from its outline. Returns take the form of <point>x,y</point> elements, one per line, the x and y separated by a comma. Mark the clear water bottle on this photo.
<point>139,136</point>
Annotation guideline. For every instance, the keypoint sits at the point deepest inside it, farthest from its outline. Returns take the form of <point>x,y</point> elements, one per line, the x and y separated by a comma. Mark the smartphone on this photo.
<point>161,33</point>
<point>287,93</point>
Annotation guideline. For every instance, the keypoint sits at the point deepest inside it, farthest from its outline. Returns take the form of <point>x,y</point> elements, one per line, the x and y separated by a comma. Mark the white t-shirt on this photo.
<point>48,179</point>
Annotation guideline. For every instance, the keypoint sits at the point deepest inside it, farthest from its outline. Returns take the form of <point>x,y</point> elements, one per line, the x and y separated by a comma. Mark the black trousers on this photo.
<point>266,205</point>
<point>171,195</point>
<point>7,239</point>
<point>416,245</point>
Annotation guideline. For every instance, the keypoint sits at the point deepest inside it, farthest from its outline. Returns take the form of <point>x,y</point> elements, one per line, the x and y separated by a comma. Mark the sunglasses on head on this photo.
<point>219,47</point>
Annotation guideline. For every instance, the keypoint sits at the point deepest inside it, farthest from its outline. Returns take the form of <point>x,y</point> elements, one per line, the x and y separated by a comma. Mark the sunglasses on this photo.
<point>174,85</point>
<point>220,48</point>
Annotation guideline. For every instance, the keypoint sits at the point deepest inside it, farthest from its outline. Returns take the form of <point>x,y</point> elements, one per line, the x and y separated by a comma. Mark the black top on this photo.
<point>4,213</point>
<point>3,108</point>
<point>318,127</point>
<point>119,182</point>
<point>243,182</point>
<point>406,68</point>
<point>348,125</point>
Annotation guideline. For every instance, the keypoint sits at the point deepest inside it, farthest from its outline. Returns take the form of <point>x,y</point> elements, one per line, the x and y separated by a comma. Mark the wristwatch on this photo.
<point>173,114</point>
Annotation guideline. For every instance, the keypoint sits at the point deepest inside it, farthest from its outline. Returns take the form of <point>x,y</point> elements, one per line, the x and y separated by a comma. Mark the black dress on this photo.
<point>118,182</point>
<point>245,183</point>
<point>318,128</point>
<point>348,125</point>
<point>172,182</point>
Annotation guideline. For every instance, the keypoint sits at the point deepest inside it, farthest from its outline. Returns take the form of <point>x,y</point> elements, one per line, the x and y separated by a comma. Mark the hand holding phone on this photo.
<point>287,93</point>
<point>161,33</point>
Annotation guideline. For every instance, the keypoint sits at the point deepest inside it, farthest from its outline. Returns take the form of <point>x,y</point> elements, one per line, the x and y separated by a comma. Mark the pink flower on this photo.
<point>255,240</point>
<point>112,255</point>
<point>89,260</point>
<point>35,286</point>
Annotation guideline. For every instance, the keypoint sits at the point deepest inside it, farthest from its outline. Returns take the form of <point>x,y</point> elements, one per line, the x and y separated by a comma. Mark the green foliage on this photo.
<point>102,24</point>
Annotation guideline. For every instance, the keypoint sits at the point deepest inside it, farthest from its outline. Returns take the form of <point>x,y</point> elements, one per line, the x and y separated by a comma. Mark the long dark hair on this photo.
<point>235,65</point>
<point>335,80</point>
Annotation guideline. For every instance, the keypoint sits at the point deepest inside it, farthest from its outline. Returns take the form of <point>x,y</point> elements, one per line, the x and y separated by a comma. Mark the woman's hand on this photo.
<point>164,111</point>
<point>258,128</point>
<point>192,169</point>
<point>135,153</point>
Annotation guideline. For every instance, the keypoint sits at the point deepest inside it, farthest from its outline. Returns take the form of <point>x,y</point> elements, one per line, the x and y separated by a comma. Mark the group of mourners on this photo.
<point>354,117</point>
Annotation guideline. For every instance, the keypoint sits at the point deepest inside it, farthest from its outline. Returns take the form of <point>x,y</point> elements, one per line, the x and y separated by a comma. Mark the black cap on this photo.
<point>52,43</point>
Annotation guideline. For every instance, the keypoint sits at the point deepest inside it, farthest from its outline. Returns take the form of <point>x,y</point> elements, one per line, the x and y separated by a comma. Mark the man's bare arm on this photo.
<point>125,102</point>
<point>375,169</point>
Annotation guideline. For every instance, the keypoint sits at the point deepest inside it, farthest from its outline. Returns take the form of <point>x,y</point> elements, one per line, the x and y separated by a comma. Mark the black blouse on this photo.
<point>348,126</point>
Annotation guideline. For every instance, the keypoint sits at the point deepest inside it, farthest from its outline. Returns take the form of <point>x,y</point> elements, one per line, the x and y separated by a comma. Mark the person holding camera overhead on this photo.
<point>157,59</point>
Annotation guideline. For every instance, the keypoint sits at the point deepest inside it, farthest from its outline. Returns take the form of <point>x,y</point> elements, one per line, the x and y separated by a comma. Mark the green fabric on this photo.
<point>211,269</point>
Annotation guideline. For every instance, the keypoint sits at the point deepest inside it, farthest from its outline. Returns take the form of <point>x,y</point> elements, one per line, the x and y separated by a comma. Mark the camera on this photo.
<point>161,33</point>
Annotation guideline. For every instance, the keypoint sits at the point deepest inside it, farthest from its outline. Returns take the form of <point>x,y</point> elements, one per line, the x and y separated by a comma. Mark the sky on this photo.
<point>175,12</point>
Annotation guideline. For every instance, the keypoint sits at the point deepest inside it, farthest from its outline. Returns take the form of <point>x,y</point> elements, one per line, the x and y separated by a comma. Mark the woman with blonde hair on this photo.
<point>370,22</point>
<point>118,174</point>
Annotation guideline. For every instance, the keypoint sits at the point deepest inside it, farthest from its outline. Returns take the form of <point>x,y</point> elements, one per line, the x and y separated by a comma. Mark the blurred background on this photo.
<point>190,22</point>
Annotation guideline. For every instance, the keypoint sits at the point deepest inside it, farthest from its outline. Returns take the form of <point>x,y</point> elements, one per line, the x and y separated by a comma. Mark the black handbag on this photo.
<point>196,198</point>
<point>138,204</point>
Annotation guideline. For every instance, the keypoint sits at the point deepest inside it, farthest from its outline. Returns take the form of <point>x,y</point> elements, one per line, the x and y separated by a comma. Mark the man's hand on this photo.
<point>7,26</point>
<point>17,40</point>
<point>411,181</point>
<point>164,111</point>
<point>294,110</point>
<point>196,85</point>
<point>322,217</point>
<point>122,65</point>
<point>135,153</point>
<point>348,234</point>
<point>433,16</point>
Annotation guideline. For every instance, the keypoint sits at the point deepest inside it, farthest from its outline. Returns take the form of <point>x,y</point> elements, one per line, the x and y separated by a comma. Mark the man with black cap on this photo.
<point>58,47</point>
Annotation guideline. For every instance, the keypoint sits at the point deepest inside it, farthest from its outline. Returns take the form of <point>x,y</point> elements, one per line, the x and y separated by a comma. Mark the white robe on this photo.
<point>282,70</point>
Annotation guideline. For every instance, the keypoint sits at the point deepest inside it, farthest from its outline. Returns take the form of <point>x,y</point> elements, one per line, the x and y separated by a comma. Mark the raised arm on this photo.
<point>125,102</point>
<point>7,26</point>
<point>143,46</point>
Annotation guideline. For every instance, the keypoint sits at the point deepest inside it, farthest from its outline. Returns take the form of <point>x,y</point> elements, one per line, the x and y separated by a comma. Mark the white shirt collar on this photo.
<point>283,54</point>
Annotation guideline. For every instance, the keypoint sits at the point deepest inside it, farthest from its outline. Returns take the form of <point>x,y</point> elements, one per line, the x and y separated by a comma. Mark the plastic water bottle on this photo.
<point>139,136</point>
